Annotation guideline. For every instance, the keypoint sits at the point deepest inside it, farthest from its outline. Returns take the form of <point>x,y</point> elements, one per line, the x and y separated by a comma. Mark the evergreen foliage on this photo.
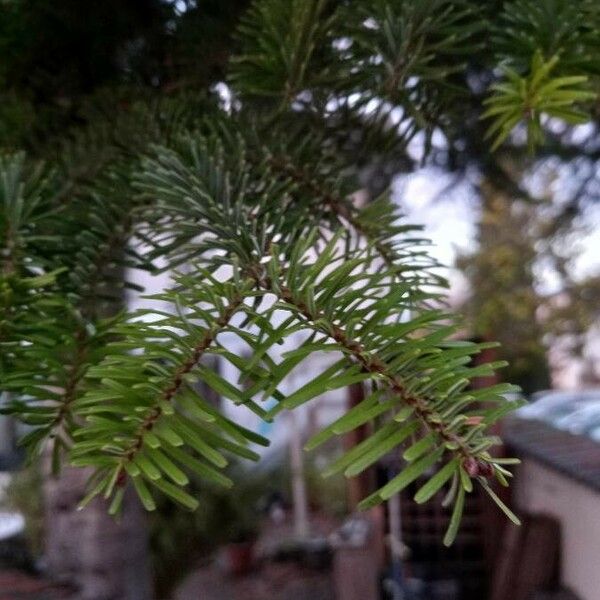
<point>254,209</point>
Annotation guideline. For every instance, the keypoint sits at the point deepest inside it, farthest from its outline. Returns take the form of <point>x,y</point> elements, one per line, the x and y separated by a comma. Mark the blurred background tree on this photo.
<point>56,56</point>
<point>525,288</point>
<point>504,302</point>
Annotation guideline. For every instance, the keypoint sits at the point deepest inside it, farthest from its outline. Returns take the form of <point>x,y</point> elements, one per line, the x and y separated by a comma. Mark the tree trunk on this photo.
<point>104,559</point>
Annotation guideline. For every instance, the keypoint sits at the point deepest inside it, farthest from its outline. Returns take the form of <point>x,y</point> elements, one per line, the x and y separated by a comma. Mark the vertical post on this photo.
<point>300,502</point>
<point>493,523</point>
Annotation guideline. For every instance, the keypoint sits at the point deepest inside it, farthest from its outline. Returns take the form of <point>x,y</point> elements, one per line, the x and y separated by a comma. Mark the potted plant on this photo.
<point>237,553</point>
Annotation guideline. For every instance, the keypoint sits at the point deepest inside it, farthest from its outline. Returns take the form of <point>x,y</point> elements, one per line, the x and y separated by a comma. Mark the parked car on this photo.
<point>575,411</point>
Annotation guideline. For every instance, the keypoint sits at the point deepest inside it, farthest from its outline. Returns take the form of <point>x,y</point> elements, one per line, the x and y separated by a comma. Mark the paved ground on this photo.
<point>16,585</point>
<point>283,581</point>
<point>270,580</point>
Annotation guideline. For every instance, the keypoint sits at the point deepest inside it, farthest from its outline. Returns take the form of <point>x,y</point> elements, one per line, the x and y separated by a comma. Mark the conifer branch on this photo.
<point>371,363</point>
<point>175,384</point>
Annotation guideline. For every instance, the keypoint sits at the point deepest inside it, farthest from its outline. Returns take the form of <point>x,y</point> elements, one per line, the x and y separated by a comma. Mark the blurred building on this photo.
<point>560,477</point>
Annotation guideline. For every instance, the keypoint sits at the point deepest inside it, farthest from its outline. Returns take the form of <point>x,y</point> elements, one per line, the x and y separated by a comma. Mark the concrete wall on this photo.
<point>577,507</point>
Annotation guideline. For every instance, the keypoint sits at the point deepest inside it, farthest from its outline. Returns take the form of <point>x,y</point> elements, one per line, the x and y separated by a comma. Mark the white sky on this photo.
<point>449,218</point>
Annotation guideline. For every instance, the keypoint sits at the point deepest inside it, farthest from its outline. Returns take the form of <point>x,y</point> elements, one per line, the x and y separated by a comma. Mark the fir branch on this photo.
<point>145,409</point>
<point>174,386</point>
<point>370,362</point>
<point>74,378</point>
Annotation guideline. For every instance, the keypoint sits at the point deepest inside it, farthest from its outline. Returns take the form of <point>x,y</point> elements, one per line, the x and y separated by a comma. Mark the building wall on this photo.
<point>577,507</point>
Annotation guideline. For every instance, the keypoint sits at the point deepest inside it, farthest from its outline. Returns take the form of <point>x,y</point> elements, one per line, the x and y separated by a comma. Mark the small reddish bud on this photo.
<point>473,420</point>
<point>121,478</point>
<point>471,466</point>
